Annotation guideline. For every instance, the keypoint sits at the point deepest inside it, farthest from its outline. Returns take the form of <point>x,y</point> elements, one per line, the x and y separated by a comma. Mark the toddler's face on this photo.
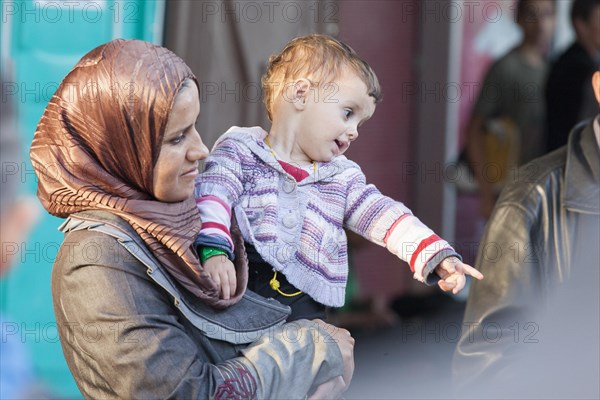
<point>334,112</point>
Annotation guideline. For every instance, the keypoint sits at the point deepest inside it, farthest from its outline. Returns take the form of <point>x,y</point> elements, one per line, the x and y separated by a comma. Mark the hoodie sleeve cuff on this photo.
<point>430,277</point>
<point>214,242</point>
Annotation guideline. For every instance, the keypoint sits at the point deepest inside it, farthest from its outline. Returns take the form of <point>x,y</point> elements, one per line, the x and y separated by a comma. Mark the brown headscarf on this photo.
<point>98,141</point>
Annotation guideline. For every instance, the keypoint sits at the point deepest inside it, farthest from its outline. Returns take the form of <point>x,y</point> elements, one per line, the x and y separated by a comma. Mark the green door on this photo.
<point>41,41</point>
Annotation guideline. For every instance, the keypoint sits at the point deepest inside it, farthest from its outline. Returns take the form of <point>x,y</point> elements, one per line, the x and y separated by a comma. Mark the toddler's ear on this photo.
<point>299,93</point>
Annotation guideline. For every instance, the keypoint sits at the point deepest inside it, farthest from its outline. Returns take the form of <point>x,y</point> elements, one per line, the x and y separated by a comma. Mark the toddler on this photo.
<point>293,191</point>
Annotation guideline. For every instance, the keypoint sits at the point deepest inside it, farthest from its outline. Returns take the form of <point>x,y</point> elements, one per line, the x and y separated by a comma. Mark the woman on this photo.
<point>116,152</point>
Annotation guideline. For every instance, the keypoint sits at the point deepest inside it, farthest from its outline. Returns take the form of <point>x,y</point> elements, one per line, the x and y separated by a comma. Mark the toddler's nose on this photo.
<point>352,134</point>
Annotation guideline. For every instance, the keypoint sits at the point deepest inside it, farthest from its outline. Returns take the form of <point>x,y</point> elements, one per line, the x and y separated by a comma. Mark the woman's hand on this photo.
<point>222,271</point>
<point>334,388</point>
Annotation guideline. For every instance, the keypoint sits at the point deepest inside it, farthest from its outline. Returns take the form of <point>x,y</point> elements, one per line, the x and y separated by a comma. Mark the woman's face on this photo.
<point>181,149</point>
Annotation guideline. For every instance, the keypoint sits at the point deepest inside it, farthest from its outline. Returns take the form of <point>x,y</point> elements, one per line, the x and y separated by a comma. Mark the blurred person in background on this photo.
<point>570,75</point>
<point>534,320</point>
<point>506,124</point>
<point>18,215</point>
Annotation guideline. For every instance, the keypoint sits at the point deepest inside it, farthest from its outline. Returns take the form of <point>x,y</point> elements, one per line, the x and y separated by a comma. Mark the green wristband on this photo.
<point>208,252</point>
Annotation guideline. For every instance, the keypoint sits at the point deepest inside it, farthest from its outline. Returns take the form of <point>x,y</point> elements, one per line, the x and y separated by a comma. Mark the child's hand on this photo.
<point>222,271</point>
<point>452,273</point>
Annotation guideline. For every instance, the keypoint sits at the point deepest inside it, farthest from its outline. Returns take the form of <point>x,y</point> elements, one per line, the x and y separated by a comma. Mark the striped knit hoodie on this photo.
<point>298,227</point>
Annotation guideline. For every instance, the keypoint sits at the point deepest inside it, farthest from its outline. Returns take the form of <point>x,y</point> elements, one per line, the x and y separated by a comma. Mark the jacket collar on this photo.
<point>582,172</point>
<point>254,139</point>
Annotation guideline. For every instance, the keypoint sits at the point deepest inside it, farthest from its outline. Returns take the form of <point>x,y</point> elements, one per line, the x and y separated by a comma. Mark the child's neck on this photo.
<point>282,140</point>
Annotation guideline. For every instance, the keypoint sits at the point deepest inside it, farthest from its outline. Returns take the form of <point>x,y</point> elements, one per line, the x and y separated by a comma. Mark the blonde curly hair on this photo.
<point>319,58</point>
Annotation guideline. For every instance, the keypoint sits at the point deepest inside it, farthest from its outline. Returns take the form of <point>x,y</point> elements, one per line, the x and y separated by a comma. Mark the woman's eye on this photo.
<point>177,139</point>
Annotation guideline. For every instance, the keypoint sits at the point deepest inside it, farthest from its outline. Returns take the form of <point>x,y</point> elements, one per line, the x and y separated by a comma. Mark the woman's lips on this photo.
<point>191,172</point>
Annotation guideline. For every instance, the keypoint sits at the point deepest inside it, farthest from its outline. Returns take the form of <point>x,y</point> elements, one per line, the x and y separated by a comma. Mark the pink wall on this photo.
<point>386,37</point>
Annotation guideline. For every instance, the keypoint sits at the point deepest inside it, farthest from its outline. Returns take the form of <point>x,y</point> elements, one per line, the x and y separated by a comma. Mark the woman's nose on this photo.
<point>198,150</point>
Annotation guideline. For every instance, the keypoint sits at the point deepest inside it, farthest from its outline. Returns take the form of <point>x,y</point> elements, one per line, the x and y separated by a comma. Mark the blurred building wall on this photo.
<point>385,34</point>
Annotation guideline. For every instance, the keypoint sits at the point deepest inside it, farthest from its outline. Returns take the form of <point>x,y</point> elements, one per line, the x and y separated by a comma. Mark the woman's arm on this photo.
<point>123,337</point>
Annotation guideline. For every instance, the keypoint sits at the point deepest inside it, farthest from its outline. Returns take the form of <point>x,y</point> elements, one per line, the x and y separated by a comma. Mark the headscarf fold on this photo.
<point>98,141</point>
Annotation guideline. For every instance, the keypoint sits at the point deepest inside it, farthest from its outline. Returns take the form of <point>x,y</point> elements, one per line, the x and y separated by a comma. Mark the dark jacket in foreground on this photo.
<point>540,258</point>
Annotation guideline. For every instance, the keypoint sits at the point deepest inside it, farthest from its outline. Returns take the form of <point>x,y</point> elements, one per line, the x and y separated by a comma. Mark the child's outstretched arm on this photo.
<point>452,273</point>
<point>391,224</point>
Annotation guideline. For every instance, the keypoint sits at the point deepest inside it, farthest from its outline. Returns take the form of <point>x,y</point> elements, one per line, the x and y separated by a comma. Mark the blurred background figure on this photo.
<point>541,293</point>
<point>570,75</point>
<point>18,215</point>
<point>506,125</point>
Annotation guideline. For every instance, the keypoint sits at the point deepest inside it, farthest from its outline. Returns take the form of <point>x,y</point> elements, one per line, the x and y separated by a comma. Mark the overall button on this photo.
<point>284,254</point>
<point>289,186</point>
<point>281,257</point>
<point>289,221</point>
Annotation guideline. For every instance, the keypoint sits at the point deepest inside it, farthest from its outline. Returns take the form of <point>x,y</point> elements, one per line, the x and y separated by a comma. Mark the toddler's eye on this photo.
<point>347,112</point>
